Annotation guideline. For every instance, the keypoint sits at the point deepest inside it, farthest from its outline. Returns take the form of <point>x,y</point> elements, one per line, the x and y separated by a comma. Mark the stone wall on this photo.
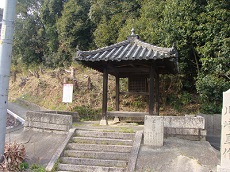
<point>75,115</point>
<point>212,124</point>
<point>48,121</point>
<point>186,127</point>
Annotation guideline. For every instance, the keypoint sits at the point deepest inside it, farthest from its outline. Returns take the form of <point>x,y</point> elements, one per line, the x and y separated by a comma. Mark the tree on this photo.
<point>110,17</point>
<point>49,14</point>
<point>214,48</point>
<point>28,38</point>
<point>74,29</point>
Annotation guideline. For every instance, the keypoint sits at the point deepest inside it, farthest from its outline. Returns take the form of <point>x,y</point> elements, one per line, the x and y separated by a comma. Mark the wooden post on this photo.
<point>157,94</point>
<point>116,118</point>
<point>151,90</point>
<point>104,120</point>
<point>117,93</point>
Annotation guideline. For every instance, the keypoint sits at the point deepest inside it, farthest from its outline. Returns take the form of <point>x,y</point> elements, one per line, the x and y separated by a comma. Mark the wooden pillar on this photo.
<point>151,90</point>
<point>104,120</point>
<point>157,93</point>
<point>117,93</point>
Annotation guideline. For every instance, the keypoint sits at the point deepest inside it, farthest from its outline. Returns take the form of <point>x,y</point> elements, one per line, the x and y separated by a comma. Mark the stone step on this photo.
<point>93,162</point>
<point>97,155</point>
<point>99,148</point>
<point>100,134</point>
<point>104,141</point>
<point>82,168</point>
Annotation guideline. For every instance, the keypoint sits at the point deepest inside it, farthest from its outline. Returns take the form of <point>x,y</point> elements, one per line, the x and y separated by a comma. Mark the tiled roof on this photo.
<point>131,57</point>
<point>131,49</point>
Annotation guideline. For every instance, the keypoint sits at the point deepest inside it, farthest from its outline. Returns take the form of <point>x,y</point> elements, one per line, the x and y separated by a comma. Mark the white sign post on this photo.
<point>67,93</point>
<point>225,134</point>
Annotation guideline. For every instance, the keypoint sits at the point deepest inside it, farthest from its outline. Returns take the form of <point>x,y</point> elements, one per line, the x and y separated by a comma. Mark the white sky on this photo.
<point>2,3</point>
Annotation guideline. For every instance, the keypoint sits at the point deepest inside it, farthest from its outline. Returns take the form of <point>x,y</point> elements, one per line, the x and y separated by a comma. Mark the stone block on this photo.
<point>103,122</point>
<point>222,169</point>
<point>182,131</point>
<point>153,130</point>
<point>225,134</point>
<point>184,122</point>
<point>48,121</point>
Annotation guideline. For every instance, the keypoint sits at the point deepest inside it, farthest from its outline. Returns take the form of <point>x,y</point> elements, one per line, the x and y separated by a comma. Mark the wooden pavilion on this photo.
<point>136,60</point>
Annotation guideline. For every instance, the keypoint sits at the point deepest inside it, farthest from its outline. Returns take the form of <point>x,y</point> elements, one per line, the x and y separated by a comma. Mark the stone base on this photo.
<point>103,122</point>
<point>222,169</point>
<point>116,119</point>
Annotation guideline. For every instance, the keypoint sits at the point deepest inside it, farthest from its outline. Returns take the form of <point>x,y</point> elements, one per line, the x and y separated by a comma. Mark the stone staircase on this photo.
<point>97,151</point>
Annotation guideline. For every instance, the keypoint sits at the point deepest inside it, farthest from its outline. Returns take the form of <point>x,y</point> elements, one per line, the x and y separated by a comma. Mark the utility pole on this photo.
<point>5,61</point>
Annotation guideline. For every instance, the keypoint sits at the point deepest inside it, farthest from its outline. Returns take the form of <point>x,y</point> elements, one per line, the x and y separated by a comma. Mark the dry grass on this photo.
<point>46,91</point>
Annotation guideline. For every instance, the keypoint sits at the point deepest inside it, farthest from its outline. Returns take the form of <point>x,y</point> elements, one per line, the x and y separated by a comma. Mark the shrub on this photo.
<point>14,155</point>
<point>88,113</point>
<point>211,88</point>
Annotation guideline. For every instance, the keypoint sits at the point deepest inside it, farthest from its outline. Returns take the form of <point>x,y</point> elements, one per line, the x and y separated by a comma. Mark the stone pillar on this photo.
<point>225,134</point>
<point>153,130</point>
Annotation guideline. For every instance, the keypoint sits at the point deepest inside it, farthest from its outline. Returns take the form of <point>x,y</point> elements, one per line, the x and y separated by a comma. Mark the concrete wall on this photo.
<point>48,121</point>
<point>186,127</point>
<point>212,124</point>
<point>75,115</point>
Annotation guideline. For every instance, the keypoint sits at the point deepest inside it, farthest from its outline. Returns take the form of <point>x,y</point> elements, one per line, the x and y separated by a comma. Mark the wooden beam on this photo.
<point>129,70</point>
<point>135,93</point>
<point>127,114</point>
<point>151,90</point>
<point>105,94</point>
<point>117,93</point>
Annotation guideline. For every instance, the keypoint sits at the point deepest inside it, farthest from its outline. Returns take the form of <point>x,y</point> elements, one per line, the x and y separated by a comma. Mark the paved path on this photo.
<point>40,146</point>
<point>17,109</point>
<point>214,141</point>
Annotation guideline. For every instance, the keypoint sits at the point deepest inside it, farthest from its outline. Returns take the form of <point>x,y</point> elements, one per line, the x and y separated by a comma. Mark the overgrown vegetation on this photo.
<point>13,158</point>
<point>48,32</point>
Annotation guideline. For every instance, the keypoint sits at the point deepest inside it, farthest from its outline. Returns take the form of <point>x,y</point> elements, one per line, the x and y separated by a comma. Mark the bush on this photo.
<point>211,88</point>
<point>88,113</point>
<point>178,101</point>
<point>14,155</point>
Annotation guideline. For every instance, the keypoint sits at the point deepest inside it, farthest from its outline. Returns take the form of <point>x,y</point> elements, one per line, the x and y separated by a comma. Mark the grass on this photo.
<point>46,91</point>
<point>127,130</point>
<point>108,130</point>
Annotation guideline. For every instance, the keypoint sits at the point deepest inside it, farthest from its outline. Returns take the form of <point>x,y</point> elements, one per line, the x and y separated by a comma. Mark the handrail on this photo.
<point>16,116</point>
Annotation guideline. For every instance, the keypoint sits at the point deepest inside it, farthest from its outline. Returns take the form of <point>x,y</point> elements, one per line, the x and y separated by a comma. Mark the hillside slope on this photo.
<point>45,87</point>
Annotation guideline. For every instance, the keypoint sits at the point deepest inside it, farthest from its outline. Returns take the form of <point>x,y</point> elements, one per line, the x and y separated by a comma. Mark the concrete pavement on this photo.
<point>40,146</point>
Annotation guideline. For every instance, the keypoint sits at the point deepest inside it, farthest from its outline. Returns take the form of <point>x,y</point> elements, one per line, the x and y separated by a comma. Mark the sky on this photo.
<point>1,3</point>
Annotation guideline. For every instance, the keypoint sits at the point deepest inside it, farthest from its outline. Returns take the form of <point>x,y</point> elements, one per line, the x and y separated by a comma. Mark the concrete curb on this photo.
<point>60,150</point>
<point>135,151</point>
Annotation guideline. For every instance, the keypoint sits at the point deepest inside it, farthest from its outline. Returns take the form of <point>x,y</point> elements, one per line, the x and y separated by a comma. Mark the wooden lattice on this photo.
<point>137,84</point>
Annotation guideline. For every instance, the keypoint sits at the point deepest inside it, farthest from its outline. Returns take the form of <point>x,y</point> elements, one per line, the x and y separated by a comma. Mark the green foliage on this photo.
<point>88,113</point>
<point>24,166</point>
<point>49,31</point>
<point>214,49</point>
<point>109,17</point>
<point>178,101</point>
<point>211,88</point>
<point>37,168</point>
